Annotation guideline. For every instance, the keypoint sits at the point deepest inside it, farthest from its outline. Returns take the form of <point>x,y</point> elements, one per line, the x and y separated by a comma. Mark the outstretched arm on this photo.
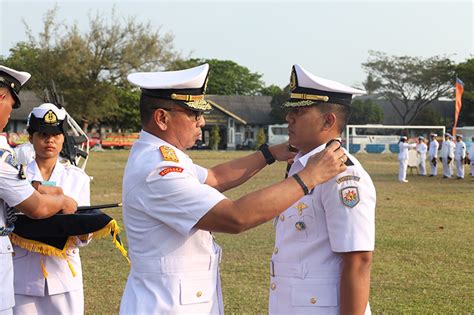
<point>236,172</point>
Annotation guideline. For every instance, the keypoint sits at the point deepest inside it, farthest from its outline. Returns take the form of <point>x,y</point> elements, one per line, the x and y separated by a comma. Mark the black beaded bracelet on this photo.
<point>269,158</point>
<point>301,183</point>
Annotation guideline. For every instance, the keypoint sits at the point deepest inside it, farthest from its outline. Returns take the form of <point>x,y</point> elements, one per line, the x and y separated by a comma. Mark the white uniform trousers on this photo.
<point>459,168</point>
<point>422,165</point>
<point>447,168</point>
<point>71,302</point>
<point>434,169</point>
<point>402,172</point>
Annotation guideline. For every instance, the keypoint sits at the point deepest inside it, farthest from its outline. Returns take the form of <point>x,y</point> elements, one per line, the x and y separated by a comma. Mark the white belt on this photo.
<point>295,270</point>
<point>173,264</point>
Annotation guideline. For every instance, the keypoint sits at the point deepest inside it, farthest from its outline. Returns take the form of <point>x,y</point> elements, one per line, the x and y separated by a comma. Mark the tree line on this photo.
<point>90,69</point>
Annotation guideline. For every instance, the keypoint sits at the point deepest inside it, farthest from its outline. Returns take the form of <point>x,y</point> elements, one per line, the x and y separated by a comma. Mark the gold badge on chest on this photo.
<point>300,207</point>
<point>168,154</point>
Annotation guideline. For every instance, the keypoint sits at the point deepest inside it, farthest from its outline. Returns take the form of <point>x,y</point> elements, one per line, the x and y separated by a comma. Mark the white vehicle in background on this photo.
<point>277,134</point>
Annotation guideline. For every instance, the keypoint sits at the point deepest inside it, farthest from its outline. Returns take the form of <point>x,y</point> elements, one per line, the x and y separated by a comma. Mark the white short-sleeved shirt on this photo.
<point>29,278</point>
<point>421,148</point>
<point>433,150</point>
<point>13,191</point>
<point>174,265</point>
<point>404,147</point>
<point>337,217</point>
<point>460,150</point>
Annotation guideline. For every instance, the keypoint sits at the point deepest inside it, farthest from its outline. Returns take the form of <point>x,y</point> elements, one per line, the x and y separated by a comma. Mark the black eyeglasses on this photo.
<point>197,115</point>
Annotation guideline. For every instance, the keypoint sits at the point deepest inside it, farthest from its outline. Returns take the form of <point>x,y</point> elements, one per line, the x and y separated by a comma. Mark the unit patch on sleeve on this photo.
<point>171,169</point>
<point>350,196</point>
<point>10,158</point>
<point>347,178</point>
<point>168,154</point>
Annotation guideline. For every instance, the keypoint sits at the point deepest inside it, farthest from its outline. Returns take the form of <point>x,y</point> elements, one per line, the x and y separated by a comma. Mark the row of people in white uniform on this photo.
<point>449,151</point>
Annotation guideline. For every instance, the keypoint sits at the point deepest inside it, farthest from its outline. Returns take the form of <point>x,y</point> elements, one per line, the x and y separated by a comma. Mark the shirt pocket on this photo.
<point>300,223</point>
<point>194,291</point>
<point>314,295</point>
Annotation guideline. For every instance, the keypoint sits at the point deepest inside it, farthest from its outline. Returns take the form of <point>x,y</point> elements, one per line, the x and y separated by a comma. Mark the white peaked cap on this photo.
<point>182,79</point>
<point>309,80</point>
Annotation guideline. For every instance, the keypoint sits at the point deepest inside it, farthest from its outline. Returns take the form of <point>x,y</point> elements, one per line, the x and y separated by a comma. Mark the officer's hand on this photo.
<point>49,190</point>
<point>324,165</point>
<point>281,152</point>
<point>69,205</point>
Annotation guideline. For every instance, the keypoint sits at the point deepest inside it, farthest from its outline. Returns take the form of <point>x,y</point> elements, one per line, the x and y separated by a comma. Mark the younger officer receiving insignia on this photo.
<point>170,203</point>
<point>323,250</point>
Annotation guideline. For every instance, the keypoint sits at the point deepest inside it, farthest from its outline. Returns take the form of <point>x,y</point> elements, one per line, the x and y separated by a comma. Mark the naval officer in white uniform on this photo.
<point>459,156</point>
<point>403,158</point>
<point>170,204</point>
<point>421,149</point>
<point>15,191</point>
<point>57,290</point>
<point>324,241</point>
<point>433,154</point>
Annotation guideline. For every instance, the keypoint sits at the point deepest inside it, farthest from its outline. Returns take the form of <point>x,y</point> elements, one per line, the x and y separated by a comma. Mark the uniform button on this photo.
<point>13,254</point>
<point>282,217</point>
<point>313,300</point>
<point>198,294</point>
<point>275,251</point>
<point>9,247</point>
<point>273,286</point>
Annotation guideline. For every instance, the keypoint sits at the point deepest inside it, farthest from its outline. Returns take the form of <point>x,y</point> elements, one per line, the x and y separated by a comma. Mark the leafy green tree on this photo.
<point>371,85</point>
<point>271,90</point>
<point>226,77</point>
<point>214,138</point>
<point>261,138</point>
<point>410,83</point>
<point>366,112</point>
<point>429,116</point>
<point>88,67</point>
<point>278,112</point>
<point>465,72</point>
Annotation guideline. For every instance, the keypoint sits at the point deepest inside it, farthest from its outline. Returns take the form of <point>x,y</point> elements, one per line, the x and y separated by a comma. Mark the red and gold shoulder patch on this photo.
<point>171,169</point>
<point>168,154</point>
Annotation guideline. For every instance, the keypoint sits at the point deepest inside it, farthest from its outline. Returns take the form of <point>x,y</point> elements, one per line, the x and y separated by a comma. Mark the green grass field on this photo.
<point>423,262</point>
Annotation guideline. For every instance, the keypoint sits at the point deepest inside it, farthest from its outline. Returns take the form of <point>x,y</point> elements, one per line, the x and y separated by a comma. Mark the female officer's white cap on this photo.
<point>47,118</point>
<point>14,80</point>
<point>185,87</point>
<point>308,89</point>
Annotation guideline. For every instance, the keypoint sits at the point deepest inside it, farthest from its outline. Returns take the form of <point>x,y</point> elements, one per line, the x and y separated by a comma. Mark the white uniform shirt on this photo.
<point>460,152</point>
<point>29,278</point>
<point>25,153</point>
<point>433,152</point>
<point>471,153</point>
<point>174,266</point>
<point>422,148</point>
<point>13,191</point>
<point>451,149</point>
<point>337,217</point>
<point>403,154</point>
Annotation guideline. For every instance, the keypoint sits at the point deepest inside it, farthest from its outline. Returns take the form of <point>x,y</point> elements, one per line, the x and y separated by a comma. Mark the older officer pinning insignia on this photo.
<point>350,196</point>
<point>168,154</point>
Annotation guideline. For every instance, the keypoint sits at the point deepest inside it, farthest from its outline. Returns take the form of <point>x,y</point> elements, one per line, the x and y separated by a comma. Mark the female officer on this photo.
<point>14,190</point>
<point>47,284</point>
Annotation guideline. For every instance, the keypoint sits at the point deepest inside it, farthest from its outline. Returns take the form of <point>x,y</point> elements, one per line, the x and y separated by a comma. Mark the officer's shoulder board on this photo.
<point>168,154</point>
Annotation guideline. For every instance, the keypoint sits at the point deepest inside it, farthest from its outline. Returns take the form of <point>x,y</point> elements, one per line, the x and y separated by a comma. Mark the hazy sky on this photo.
<point>329,38</point>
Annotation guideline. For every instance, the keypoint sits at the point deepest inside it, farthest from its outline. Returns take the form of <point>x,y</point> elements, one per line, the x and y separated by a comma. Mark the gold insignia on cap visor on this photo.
<point>320,98</point>
<point>293,80</point>
<point>50,118</point>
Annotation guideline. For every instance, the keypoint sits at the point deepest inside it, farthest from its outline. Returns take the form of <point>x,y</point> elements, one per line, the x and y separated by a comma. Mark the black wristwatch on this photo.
<point>267,154</point>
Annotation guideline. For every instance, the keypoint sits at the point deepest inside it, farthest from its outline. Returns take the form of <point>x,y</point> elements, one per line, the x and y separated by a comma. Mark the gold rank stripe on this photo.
<point>186,97</point>
<point>311,97</point>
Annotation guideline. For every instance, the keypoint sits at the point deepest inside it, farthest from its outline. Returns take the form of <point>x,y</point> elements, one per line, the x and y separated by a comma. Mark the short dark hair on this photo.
<point>342,112</point>
<point>148,105</point>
